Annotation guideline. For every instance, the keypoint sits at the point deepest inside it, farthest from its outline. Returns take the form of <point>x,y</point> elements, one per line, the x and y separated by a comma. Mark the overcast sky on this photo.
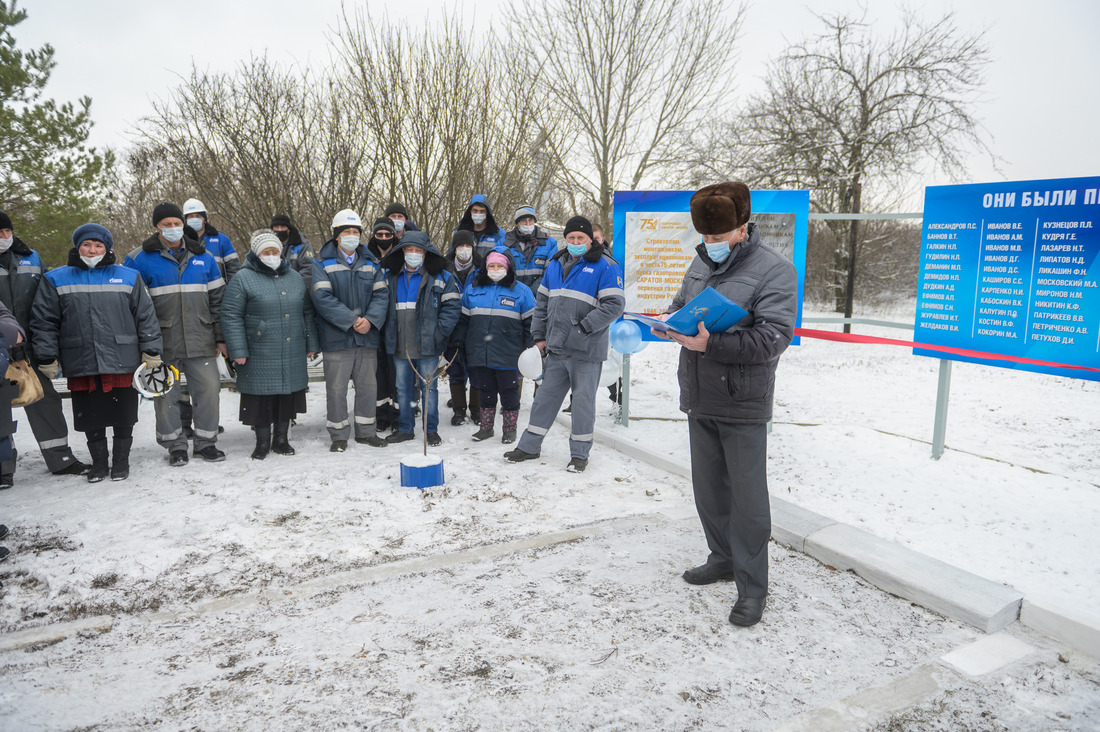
<point>1042,103</point>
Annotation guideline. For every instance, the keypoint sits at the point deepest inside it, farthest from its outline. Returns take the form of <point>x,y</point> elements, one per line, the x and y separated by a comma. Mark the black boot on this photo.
<point>120,460</point>
<point>263,441</point>
<point>100,460</point>
<point>280,443</point>
<point>475,405</point>
<point>458,404</point>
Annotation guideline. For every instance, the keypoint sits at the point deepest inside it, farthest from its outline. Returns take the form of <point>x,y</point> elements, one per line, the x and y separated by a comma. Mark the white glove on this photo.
<point>50,370</point>
<point>152,360</point>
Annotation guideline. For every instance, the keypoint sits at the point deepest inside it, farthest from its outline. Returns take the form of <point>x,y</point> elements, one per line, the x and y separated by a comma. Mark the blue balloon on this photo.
<point>626,336</point>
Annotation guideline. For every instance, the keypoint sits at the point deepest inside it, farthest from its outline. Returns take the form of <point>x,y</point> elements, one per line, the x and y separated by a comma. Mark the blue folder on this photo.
<point>710,306</point>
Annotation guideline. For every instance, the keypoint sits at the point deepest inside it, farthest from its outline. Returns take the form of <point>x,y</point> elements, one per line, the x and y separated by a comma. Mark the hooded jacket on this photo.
<point>299,252</point>
<point>94,321</point>
<point>187,295</point>
<point>734,379</point>
<point>21,271</point>
<point>489,237</point>
<point>532,254</point>
<point>268,319</point>
<point>343,293</point>
<point>438,301</point>
<point>495,326</point>
<point>222,250</point>
<point>463,275</point>
<point>577,302</point>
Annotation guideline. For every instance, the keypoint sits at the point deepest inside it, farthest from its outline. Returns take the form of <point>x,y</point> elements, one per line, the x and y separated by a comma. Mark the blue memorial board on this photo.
<point>655,242</point>
<point>1013,269</point>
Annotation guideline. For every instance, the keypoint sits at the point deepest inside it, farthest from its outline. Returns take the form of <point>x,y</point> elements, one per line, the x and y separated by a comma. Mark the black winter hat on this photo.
<point>5,221</point>
<point>383,223</point>
<point>578,223</point>
<point>166,210</point>
<point>398,208</point>
<point>281,220</point>
<point>462,237</point>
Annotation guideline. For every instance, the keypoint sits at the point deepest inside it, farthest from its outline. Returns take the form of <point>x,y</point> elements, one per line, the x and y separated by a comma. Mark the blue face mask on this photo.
<point>172,234</point>
<point>718,251</point>
<point>577,250</point>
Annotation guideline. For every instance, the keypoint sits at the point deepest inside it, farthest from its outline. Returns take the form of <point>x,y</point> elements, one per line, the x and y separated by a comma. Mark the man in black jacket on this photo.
<point>727,381</point>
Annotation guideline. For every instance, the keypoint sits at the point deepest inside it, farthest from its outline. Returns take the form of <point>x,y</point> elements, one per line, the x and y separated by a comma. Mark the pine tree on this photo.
<point>50,181</point>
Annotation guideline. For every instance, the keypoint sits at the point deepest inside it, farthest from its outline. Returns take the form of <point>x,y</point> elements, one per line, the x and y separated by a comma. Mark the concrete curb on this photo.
<point>939,586</point>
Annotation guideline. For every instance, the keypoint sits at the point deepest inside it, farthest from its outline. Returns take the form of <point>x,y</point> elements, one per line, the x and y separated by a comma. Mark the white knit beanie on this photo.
<point>264,239</point>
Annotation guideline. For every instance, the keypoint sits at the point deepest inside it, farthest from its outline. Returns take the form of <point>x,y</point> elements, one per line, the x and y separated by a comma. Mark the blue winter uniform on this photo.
<point>488,238</point>
<point>221,249</point>
<point>495,326</point>
<point>344,292</point>
<point>531,255</point>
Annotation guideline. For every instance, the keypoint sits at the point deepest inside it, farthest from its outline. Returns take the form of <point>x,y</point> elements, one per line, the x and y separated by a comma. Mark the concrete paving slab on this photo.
<point>1078,629</point>
<point>988,654</point>
<point>791,524</point>
<point>869,705</point>
<point>936,585</point>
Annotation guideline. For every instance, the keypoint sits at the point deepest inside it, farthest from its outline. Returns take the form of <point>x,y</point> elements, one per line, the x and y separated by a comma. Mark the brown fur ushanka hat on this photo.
<point>721,207</point>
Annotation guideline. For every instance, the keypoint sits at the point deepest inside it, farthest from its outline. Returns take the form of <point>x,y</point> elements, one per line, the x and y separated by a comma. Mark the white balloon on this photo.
<point>612,368</point>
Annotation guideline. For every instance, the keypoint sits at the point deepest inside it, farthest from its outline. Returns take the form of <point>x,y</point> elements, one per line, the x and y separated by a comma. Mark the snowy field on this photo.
<point>314,592</point>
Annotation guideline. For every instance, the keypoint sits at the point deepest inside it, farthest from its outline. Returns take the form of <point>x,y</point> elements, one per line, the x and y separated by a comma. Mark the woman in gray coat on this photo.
<point>270,331</point>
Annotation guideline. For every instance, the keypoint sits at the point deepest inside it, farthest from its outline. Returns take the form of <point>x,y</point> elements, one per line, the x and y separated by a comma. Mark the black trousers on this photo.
<point>729,477</point>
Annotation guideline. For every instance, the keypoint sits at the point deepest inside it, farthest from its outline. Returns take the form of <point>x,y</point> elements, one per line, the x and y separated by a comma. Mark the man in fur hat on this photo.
<point>727,381</point>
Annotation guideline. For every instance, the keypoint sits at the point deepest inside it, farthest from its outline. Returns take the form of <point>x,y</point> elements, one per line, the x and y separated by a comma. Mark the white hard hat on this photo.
<point>156,382</point>
<point>530,364</point>
<point>193,205</point>
<point>347,217</point>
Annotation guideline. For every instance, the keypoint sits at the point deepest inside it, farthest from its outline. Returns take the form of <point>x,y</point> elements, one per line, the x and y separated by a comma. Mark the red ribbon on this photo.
<point>828,335</point>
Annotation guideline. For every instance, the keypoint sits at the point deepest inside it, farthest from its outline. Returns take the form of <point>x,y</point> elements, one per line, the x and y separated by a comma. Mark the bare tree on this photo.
<point>850,107</point>
<point>145,179</point>
<point>439,117</point>
<point>263,140</point>
<point>634,79</point>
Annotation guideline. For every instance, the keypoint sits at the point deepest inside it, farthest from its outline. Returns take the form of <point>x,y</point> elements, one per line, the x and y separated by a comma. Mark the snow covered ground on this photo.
<point>313,591</point>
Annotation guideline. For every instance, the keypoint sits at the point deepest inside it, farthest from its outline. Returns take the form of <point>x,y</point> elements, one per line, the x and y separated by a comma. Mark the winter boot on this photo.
<point>458,403</point>
<point>475,405</point>
<point>186,412</point>
<point>120,460</point>
<point>280,443</point>
<point>509,417</point>
<point>263,441</point>
<point>488,416</point>
<point>100,460</point>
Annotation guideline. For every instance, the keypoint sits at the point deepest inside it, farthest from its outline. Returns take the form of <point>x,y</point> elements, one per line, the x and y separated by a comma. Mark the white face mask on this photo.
<point>92,261</point>
<point>479,219</point>
<point>496,275</point>
<point>398,224</point>
<point>196,223</point>
<point>173,234</point>
<point>527,229</point>
<point>463,254</point>
<point>272,260</point>
<point>5,244</point>
<point>349,243</point>
<point>414,260</point>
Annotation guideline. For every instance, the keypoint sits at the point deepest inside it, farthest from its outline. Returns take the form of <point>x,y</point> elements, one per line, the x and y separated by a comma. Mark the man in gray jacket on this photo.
<point>727,381</point>
<point>580,296</point>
